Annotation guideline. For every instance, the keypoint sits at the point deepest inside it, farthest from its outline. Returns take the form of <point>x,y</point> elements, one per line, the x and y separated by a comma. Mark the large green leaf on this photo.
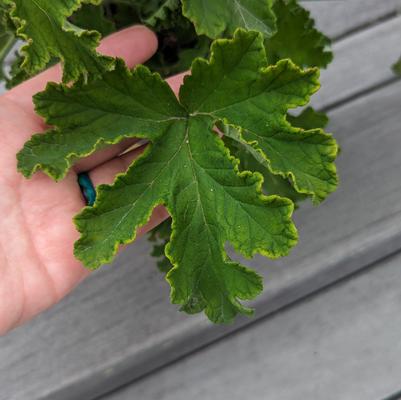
<point>251,160</point>
<point>297,38</point>
<point>44,25</point>
<point>213,18</point>
<point>186,167</point>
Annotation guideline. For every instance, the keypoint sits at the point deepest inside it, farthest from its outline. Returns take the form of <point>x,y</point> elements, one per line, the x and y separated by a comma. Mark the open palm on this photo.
<point>37,266</point>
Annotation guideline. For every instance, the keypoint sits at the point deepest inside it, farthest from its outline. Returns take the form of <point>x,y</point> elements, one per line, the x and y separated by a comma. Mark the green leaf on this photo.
<point>176,56</point>
<point>160,236</point>
<point>154,11</point>
<point>309,119</point>
<point>122,13</point>
<point>179,45</point>
<point>17,74</point>
<point>253,160</point>
<point>150,12</point>
<point>272,184</point>
<point>186,167</point>
<point>297,38</point>
<point>44,25</point>
<point>91,17</point>
<point>189,170</point>
<point>304,156</point>
<point>91,116</point>
<point>213,18</point>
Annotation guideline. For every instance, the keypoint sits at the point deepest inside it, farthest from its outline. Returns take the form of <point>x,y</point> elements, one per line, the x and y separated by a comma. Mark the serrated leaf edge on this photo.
<point>28,173</point>
<point>20,32</point>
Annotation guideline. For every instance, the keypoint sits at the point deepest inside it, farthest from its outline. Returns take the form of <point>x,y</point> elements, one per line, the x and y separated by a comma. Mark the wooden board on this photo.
<point>338,18</point>
<point>118,325</point>
<point>362,62</point>
<point>340,344</point>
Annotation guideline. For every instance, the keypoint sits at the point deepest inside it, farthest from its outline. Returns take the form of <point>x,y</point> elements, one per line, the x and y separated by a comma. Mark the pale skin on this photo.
<point>37,266</point>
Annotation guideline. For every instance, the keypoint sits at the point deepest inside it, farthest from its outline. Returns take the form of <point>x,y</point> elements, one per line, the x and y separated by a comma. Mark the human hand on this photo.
<point>37,265</point>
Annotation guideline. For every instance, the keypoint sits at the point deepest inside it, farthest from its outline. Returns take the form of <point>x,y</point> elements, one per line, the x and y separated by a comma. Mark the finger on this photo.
<point>106,173</point>
<point>175,82</point>
<point>103,155</point>
<point>135,45</point>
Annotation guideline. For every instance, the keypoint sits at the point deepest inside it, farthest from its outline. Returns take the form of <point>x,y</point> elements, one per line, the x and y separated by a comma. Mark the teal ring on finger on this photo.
<point>87,188</point>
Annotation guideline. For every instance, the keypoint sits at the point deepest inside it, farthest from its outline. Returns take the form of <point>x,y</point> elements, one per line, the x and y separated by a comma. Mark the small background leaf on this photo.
<point>214,18</point>
<point>297,38</point>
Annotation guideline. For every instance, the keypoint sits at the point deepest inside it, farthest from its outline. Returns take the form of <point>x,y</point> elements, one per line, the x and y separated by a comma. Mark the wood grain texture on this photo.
<point>339,17</point>
<point>118,325</point>
<point>362,61</point>
<point>343,344</point>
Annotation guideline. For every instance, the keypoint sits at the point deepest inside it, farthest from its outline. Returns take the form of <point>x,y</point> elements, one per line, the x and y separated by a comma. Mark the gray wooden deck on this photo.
<point>343,342</point>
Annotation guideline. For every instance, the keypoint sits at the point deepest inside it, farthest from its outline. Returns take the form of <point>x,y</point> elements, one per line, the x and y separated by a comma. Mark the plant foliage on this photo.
<point>238,189</point>
<point>44,25</point>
